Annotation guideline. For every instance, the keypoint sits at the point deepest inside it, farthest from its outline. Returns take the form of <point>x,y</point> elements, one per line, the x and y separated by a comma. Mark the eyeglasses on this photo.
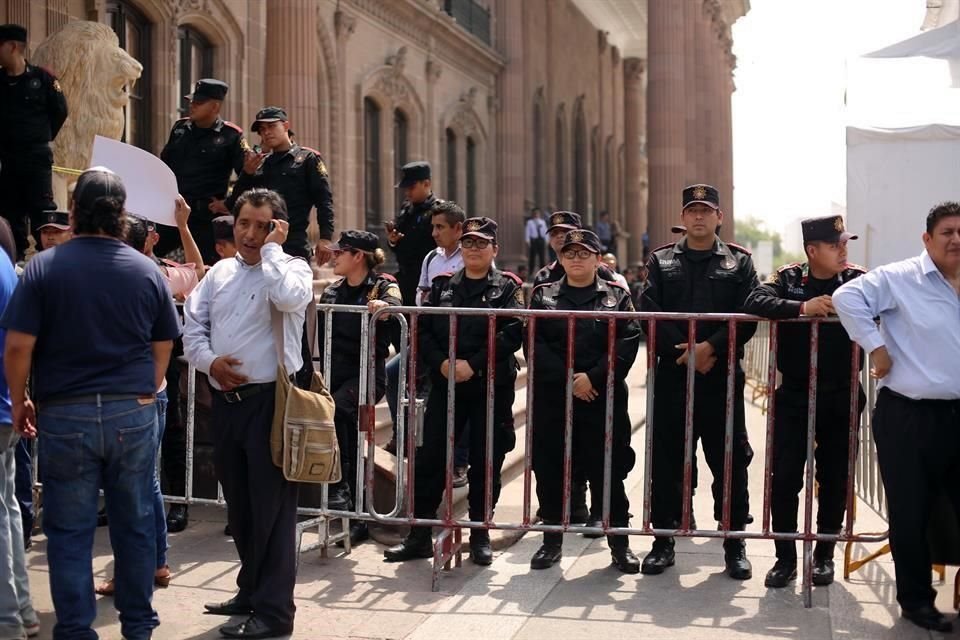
<point>475,243</point>
<point>583,254</point>
<point>339,252</point>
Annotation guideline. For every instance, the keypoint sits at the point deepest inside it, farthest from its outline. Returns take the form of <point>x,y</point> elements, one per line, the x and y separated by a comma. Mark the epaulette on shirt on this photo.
<point>856,267</point>
<point>446,274</point>
<point>514,277</point>
<point>739,248</point>
<point>387,277</point>
<point>789,266</point>
<point>313,151</point>
<point>233,126</point>
<point>663,246</point>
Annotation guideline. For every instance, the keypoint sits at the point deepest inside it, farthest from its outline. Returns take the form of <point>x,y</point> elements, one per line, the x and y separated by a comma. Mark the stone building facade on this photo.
<point>589,105</point>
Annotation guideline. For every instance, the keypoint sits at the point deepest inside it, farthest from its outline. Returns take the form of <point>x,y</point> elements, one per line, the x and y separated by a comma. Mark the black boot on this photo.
<point>417,544</point>
<point>358,533</point>
<point>338,495</point>
<point>660,557</point>
<point>735,558</point>
<point>177,518</point>
<point>623,558</point>
<point>823,568</point>
<point>783,572</point>
<point>549,552</point>
<point>579,513</point>
<point>480,551</point>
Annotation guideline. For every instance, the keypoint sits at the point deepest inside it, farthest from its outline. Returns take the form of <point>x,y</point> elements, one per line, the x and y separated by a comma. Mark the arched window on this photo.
<point>133,32</point>
<point>471,178</point>
<point>580,199</point>
<point>539,155</point>
<point>371,147</point>
<point>451,193</point>
<point>401,127</point>
<point>560,159</point>
<point>196,60</point>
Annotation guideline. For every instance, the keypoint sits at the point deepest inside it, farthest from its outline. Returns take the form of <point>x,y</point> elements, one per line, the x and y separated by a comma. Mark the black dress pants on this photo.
<point>918,447</point>
<point>261,506</point>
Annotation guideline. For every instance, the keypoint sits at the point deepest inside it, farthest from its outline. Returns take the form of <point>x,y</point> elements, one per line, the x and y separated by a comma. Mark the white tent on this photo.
<point>903,142</point>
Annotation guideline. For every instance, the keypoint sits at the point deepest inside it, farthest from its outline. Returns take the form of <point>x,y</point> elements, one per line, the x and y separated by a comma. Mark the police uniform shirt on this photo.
<point>32,108</point>
<point>202,158</point>
<point>415,222</point>
<point>780,297</point>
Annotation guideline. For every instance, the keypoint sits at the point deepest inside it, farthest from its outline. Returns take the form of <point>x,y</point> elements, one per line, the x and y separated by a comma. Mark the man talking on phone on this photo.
<point>411,235</point>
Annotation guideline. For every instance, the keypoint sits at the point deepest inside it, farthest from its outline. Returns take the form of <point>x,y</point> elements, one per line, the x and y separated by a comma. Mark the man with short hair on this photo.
<point>535,233</point>
<point>32,111</point>
<point>805,290</point>
<point>916,424</point>
<point>97,401</point>
<point>223,237</point>
<point>229,336</point>
<point>410,235</point>
<point>202,151</point>
<point>54,229</point>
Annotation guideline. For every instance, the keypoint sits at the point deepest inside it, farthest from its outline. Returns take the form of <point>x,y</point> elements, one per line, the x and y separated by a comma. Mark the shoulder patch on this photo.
<point>738,247</point>
<point>233,126</point>
<point>513,277</point>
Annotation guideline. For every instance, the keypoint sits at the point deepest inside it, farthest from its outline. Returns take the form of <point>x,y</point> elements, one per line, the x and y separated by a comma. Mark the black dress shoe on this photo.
<point>735,559</point>
<point>252,628</point>
<point>625,560</point>
<point>660,557</point>
<point>546,556</point>
<point>928,617</point>
<point>823,571</point>
<point>594,523</point>
<point>781,574</point>
<point>232,607</point>
<point>414,546</point>
<point>481,553</point>
<point>358,533</point>
<point>177,518</point>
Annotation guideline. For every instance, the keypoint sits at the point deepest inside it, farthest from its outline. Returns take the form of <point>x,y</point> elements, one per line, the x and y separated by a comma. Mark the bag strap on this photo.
<point>276,320</point>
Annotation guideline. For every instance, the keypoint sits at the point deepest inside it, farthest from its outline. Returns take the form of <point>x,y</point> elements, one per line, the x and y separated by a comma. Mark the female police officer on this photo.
<point>580,289</point>
<point>478,285</point>
<point>356,255</point>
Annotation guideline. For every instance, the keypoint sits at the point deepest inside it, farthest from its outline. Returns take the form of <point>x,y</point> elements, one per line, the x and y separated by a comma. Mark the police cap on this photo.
<point>57,219</point>
<point>12,32</point>
<point>268,114</point>
<point>414,172</point>
<point>565,220</point>
<point>701,194</point>
<point>583,238</point>
<point>357,240</point>
<point>481,227</point>
<point>825,229</point>
<point>208,89</point>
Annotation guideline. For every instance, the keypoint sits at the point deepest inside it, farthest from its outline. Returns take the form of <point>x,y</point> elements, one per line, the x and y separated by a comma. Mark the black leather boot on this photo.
<point>623,558</point>
<point>480,551</point>
<point>660,557</point>
<point>417,544</point>
<point>549,552</point>
<point>783,572</point>
<point>823,567</point>
<point>177,518</point>
<point>735,557</point>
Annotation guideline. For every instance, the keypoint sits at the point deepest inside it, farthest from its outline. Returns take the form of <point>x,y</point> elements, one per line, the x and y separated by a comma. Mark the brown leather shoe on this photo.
<point>162,577</point>
<point>106,588</point>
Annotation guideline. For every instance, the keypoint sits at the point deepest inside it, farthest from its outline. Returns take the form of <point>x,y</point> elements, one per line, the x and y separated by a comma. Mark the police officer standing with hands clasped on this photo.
<point>202,151</point>
<point>698,274</point>
<point>805,290</point>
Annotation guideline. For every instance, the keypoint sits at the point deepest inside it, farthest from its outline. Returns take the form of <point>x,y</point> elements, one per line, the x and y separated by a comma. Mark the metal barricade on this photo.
<point>447,545</point>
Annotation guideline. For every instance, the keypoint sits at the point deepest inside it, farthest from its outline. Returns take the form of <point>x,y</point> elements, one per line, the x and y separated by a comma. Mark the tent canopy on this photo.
<point>943,42</point>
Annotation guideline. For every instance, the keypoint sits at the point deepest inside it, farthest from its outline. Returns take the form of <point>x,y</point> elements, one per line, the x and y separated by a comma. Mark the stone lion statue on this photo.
<point>95,74</point>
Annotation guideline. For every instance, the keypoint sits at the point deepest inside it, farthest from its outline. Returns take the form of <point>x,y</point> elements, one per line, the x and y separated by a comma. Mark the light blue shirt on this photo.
<point>919,315</point>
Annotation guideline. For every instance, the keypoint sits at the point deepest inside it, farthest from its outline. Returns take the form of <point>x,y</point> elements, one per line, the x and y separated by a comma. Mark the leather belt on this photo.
<point>95,398</point>
<point>239,394</point>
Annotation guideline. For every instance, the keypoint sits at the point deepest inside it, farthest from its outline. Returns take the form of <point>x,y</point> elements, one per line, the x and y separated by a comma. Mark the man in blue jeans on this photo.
<point>96,401</point>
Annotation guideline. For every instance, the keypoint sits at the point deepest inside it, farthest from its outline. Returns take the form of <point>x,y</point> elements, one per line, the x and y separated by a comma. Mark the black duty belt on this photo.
<point>94,398</point>
<point>932,402</point>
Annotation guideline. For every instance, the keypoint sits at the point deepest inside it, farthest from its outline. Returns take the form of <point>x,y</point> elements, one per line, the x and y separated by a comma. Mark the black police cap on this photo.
<point>58,219</point>
<point>584,238</point>
<point>208,89</point>
<point>356,239</point>
<point>12,32</point>
<point>481,227</point>
<point>222,228</point>
<point>825,229</point>
<point>268,114</point>
<point>414,172</point>
<point>701,194</point>
<point>565,220</point>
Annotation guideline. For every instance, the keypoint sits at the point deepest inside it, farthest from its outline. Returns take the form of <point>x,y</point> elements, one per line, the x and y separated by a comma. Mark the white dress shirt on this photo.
<point>435,263</point>
<point>228,314</point>
<point>919,315</point>
<point>536,228</point>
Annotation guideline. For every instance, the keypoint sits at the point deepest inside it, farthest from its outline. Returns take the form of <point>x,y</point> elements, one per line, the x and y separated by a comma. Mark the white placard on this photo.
<point>150,184</point>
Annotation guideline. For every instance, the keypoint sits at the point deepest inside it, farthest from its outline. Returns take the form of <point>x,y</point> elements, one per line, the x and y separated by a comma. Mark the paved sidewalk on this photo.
<point>360,596</point>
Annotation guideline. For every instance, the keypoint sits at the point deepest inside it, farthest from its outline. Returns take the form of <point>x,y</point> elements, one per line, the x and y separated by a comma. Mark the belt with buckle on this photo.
<point>239,394</point>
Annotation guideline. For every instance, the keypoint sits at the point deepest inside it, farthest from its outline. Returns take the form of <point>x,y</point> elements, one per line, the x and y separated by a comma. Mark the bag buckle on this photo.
<point>232,397</point>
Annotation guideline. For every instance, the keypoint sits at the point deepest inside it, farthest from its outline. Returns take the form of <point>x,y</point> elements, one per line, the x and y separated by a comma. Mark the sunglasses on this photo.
<point>583,254</point>
<point>475,243</point>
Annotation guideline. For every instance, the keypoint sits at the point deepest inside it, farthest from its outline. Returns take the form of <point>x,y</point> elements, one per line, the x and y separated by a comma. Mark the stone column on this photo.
<point>510,143</point>
<point>693,91</point>
<point>635,210</point>
<point>703,98</point>
<point>666,117</point>
<point>292,63</point>
<point>725,136</point>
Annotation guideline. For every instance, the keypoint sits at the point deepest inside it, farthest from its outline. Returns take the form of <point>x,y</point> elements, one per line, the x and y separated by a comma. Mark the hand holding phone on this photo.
<point>278,232</point>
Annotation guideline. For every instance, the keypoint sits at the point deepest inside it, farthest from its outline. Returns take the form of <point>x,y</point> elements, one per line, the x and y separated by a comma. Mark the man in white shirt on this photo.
<point>914,354</point>
<point>228,335</point>
<point>536,237</point>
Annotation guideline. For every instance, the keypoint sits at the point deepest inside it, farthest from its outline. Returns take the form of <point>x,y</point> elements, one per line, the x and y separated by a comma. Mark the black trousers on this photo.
<point>470,402</point>
<point>173,447</point>
<point>26,182</point>
<point>832,439</point>
<point>587,449</point>
<point>918,447</point>
<point>261,506</point>
<point>536,254</point>
<point>346,398</point>
<point>709,426</point>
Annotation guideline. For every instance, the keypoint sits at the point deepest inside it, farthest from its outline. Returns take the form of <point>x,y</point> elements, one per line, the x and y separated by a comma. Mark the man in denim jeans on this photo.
<point>96,402</point>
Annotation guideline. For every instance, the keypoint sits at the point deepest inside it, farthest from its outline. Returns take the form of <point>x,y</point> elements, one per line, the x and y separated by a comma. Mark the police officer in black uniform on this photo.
<point>202,151</point>
<point>477,285</point>
<point>410,235</point>
<point>356,256</point>
<point>698,274</point>
<point>32,111</point>
<point>581,289</point>
<point>805,289</point>
<point>295,172</point>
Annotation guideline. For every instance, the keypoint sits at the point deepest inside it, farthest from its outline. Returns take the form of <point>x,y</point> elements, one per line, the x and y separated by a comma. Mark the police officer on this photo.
<point>581,289</point>
<point>202,151</point>
<point>297,173</point>
<point>411,234</point>
<point>54,229</point>
<point>805,289</point>
<point>356,256</point>
<point>32,110</point>
<point>698,274</point>
<point>478,285</point>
